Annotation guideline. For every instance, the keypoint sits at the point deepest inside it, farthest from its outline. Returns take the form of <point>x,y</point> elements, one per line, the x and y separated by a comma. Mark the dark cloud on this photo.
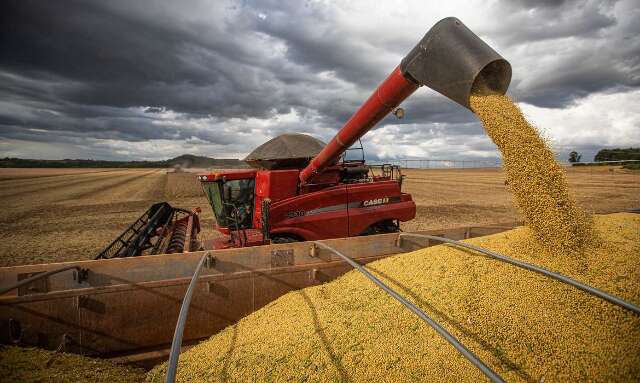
<point>571,48</point>
<point>222,76</point>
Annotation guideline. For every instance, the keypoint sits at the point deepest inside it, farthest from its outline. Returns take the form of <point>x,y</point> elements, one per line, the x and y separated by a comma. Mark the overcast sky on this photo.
<point>153,80</point>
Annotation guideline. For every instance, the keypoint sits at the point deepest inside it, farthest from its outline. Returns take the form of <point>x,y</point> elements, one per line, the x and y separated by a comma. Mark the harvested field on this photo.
<point>524,326</point>
<point>449,198</point>
<point>54,215</point>
<point>71,216</point>
<point>18,173</point>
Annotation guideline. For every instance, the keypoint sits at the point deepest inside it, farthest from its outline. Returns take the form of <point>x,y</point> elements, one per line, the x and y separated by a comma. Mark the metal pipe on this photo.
<point>450,59</point>
<point>40,276</point>
<point>172,368</point>
<point>421,314</point>
<point>393,90</point>
<point>527,266</point>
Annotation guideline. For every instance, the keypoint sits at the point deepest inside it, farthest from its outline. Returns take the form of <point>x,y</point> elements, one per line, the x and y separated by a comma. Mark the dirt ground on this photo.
<point>54,215</point>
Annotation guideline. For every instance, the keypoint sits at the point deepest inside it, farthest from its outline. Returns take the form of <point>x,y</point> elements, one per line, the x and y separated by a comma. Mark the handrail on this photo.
<point>528,266</point>
<point>421,314</point>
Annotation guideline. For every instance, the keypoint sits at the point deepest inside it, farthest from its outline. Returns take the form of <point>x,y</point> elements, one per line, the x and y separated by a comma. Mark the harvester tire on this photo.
<point>285,239</point>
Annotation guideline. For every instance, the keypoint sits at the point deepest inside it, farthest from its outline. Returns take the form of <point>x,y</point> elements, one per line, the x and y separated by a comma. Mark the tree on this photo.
<point>618,154</point>
<point>574,156</point>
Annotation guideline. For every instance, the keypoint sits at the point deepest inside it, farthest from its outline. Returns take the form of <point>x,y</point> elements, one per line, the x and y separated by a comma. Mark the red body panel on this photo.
<point>233,174</point>
<point>253,238</point>
<point>368,204</point>
<point>311,216</point>
<point>275,185</point>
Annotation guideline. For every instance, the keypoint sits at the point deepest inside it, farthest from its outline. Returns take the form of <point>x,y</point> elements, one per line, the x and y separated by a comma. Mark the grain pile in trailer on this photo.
<point>35,365</point>
<point>523,325</point>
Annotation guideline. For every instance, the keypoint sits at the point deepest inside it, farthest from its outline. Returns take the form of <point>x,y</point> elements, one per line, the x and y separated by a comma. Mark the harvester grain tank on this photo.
<point>300,193</point>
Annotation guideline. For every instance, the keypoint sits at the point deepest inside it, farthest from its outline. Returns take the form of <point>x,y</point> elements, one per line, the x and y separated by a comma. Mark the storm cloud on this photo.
<point>151,80</point>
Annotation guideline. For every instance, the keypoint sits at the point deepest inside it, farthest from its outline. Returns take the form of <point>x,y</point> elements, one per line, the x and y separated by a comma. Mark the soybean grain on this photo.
<point>18,364</point>
<point>524,326</point>
<point>534,177</point>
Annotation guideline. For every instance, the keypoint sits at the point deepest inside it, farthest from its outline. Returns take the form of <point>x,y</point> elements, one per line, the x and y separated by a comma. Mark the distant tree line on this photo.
<point>575,156</point>
<point>67,163</point>
<point>185,161</point>
<point>617,154</point>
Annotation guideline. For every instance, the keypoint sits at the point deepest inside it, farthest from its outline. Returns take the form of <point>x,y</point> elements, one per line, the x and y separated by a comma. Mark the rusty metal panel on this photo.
<point>282,257</point>
<point>39,286</point>
<point>43,323</point>
<point>109,272</point>
<point>132,304</point>
<point>146,317</point>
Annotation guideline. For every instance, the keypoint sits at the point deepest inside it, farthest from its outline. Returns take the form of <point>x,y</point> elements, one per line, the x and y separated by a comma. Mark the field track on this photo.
<point>53,215</point>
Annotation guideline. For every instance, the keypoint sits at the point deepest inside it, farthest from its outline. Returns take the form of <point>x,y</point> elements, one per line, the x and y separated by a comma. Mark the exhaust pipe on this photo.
<point>449,59</point>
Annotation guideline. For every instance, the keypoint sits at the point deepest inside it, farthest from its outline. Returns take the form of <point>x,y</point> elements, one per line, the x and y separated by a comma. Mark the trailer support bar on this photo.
<point>172,367</point>
<point>421,314</point>
<point>81,276</point>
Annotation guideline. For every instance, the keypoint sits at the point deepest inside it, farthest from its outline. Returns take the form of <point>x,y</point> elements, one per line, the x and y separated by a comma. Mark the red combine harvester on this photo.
<point>301,190</point>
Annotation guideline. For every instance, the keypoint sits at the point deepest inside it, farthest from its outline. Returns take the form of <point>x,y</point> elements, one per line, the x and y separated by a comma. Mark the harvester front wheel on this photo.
<point>285,239</point>
<point>383,227</point>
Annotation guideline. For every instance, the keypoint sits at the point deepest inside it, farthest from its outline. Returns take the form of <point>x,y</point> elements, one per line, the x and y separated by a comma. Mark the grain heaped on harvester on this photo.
<point>519,305</point>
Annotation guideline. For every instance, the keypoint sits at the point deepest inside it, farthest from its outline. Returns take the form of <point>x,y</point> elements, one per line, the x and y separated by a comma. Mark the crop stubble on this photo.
<point>73,216</point>
<point>40,212</point>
